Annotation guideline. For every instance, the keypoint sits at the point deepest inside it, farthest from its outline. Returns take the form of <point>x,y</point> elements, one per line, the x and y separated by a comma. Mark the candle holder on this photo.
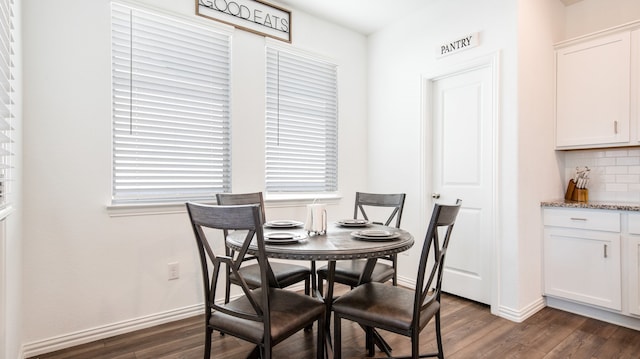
<point>316,223</point>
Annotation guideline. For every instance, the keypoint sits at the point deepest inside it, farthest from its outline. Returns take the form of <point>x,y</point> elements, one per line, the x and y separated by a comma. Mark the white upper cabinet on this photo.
<point>593,92</point>
<point>635,88</point>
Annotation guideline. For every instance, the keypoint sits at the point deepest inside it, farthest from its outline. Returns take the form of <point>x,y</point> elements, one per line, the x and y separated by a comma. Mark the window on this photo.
<point>171,96</point>
<point>7,93</point>
<point>301,124</point>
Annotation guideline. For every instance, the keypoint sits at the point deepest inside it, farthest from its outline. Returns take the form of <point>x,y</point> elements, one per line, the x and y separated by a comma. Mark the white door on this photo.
<point>463,160</point>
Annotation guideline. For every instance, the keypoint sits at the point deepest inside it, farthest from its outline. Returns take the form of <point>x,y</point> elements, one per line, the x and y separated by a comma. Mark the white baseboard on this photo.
<point>407,282</point>
<point>86,336</point>
<point>520,315</point>
<point>605,315</point>
<point>514,315</point>
<point>106,331</point>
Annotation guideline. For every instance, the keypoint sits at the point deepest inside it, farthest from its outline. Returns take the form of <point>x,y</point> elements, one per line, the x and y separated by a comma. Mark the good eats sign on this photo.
<point>250,15</point>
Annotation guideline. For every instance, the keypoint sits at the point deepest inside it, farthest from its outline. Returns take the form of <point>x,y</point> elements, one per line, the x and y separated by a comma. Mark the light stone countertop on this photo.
<point>616,206</point>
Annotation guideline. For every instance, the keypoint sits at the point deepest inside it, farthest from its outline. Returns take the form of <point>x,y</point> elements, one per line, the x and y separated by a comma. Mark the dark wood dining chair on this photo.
<point>265,315</point>
<point>285,274</point>
<point>349,272</point>
<point>401,310</point>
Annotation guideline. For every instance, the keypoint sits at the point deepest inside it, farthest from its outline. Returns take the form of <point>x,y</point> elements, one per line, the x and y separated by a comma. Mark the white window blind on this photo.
<point>7,93</point>
<point>171,96</point>
<point>301,123</point>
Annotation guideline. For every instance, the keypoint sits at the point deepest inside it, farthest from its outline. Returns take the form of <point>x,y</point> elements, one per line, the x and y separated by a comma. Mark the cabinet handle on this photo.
<point>605,251</point>
<point>615,127</point>
<point>578,219</point>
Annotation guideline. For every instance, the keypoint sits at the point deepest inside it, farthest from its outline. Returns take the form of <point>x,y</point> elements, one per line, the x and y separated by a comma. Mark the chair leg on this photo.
<point>227,291</point>
<point>307,291</point>
<point>379,341</point>
<point>320,289</point>
<point>227,288</point>
<point>439,336</point>
<point>394,259</point>
<point>415,344</point>
<point>321,337</point>
<point>337,337</point>
<point>314,277</point>
<point>370,343</point>
<point>207,342</point>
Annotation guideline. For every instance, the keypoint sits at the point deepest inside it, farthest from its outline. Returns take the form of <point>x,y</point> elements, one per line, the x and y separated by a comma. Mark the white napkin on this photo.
<point>316,218</point>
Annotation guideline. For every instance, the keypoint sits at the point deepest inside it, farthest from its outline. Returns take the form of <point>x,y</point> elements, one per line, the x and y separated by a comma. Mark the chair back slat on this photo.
<point>241,218</point>
<point>394,201</point>
<point>228,199</point>
<point>429,281</point>
<point>244,199</point>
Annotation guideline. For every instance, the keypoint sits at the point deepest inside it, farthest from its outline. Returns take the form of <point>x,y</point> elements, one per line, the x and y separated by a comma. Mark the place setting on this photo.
<point>283,223</point>
<point>375,235</point>
<point>283,237</point>
<point>353,223</point>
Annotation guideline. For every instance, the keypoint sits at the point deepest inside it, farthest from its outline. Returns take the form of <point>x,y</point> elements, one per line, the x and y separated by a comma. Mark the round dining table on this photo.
<point>337,243</point>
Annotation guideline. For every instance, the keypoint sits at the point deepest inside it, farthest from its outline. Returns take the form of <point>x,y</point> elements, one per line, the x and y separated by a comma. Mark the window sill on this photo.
<point>298,199</point>
<point>271,200</point>
<point>151,209</point>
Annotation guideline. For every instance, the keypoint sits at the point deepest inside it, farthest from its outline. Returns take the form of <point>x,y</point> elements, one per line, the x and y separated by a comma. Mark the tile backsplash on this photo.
<point>615,173</point>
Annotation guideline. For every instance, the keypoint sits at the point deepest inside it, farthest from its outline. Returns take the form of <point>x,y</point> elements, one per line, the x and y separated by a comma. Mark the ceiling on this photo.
<point>363,16</point>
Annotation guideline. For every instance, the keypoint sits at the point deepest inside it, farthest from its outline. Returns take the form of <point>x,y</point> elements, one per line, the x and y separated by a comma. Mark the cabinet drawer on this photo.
<point>634,223</point>
<point>597,220</point>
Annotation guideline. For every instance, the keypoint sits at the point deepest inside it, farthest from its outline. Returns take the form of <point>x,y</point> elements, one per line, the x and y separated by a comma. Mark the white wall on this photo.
<point>401,53</point>
<point>588,16</point>
<point>399,56</point>
<point>88,274</point>
<point>540,25</point>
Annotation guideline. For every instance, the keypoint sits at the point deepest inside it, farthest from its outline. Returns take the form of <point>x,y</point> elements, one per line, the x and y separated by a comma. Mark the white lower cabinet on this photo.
<point>592,275</point>
<point>582,256</point>
<point>633,264</point>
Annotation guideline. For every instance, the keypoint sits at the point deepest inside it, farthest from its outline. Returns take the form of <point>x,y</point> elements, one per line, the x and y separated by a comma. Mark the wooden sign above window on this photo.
<point>250,15</point>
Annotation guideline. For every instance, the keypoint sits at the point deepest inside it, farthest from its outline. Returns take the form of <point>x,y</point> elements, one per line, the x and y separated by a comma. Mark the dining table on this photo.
<point>342,240</point>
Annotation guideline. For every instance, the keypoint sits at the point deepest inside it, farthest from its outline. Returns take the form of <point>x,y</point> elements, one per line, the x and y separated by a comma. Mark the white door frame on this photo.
<point>426,153</point>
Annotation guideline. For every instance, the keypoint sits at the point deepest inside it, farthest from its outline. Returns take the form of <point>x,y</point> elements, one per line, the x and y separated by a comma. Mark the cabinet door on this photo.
<point>635,88</point>
<point>583,266</point>
<point>592,93</point>
<point>634,275</point>
<point>632,251</point>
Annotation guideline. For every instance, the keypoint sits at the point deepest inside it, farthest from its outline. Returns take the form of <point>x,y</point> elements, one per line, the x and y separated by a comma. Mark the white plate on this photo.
<point>375,235</point>
<point>278,236</point>
<point>353,223</point>
<point>283,224</point>
<point>282,238</point>
<point>281,241</point>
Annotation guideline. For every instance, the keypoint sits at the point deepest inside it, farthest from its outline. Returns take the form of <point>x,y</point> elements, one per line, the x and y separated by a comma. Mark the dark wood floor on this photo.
<point>469,331</point>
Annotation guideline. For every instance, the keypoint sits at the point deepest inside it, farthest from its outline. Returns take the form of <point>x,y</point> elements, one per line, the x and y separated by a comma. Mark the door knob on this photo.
<point>435,195</point>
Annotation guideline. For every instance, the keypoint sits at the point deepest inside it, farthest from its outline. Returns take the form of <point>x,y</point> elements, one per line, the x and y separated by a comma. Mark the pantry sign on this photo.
<point>250,15</point>
<point>459,44</point>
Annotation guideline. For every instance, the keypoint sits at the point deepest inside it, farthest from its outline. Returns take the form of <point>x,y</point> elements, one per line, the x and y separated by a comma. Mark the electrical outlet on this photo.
<point>174,270</point>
